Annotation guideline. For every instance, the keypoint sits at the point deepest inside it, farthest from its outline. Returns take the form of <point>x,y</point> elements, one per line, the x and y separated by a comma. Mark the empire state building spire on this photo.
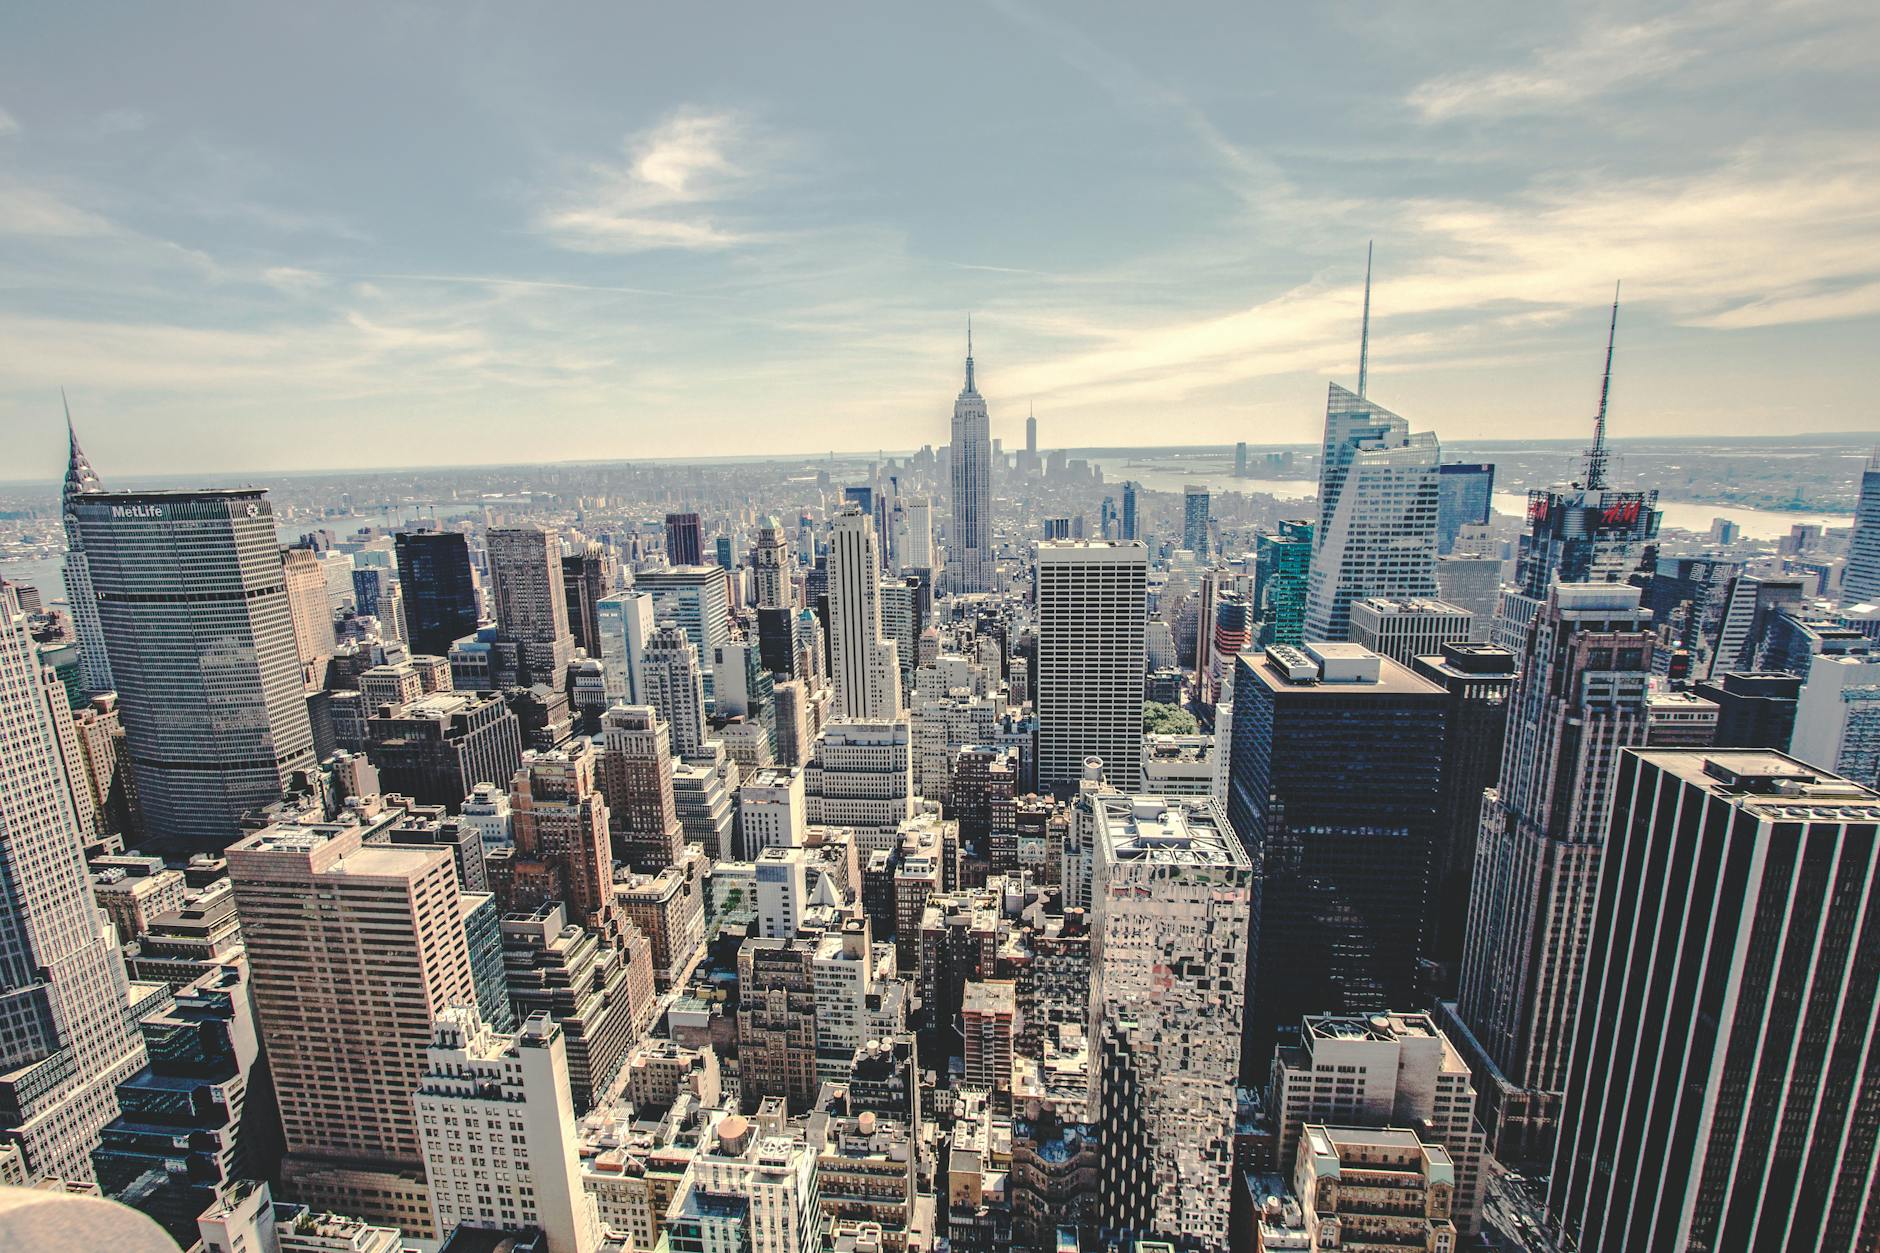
<point>970,390</point>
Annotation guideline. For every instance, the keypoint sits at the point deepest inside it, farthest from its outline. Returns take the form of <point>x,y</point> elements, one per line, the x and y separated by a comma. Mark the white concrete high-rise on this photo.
<point>1171,904</point>
<point>66,1040</point>
<point>919,546</point>
<point>971,566</point>
<point>698,599</point>
<point>865,669</point>
<point>772,810</point>
<point>626,622</point>
<point>748,1187</point>
<point>675,687</point>
<point>860,775</point>
<point>1092,599</point>
<point>1837,717</point>
<point>1378,497</point>
<point>499,1131</point>
<point>94,664</point>
<point>1381,1070</point>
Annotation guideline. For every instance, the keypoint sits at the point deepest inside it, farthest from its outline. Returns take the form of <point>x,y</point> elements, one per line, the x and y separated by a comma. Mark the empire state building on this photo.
<point>970,563</point>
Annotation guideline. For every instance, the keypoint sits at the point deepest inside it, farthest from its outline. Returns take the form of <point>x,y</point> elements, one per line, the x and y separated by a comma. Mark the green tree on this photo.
<point>1160,719</point>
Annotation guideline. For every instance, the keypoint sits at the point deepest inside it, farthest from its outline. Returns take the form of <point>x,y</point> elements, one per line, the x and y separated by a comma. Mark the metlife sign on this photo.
<point>138,511</point>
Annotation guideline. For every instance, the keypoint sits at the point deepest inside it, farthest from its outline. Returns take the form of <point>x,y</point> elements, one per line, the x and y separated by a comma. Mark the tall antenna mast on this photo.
<point>1364,336</point>
<point>1596,455</point>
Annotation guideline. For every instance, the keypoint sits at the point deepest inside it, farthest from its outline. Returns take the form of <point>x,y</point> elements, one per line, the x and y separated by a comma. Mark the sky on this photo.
<point>254,237</point>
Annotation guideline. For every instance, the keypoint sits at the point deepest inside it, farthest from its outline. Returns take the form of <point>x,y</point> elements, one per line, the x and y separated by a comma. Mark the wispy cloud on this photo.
<point>39,211</point>
<point>670,192</point>
<point>9,125</point>
<point>293,280</point>
<point>1604,58</point>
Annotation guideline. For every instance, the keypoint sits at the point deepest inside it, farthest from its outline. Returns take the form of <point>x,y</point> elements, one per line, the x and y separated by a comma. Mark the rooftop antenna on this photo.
<point>1364,336</point>
<point>969,352</point>
<point>1596,455</point>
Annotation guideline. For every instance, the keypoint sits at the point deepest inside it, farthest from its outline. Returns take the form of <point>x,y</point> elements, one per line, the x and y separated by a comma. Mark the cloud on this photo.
<point>38,212</point>
<point>670,192</point>
<point>9,125</point>
<point>1603,59</point>
<point>120,122</point>
<point>1768,236</point>
<point>293,280</point>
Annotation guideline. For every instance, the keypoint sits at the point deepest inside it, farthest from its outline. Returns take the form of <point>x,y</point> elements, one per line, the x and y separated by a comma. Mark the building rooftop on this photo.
<point>1771,785</point>
<point>1171,830</point>
<point>1384,606</point>
<point>1333,670</point>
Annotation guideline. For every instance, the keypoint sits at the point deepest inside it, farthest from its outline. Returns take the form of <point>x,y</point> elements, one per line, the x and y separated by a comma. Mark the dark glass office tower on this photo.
<point>1465,493</point>
<point>584,582</point>
<point>192,598</point>
<point>440,595</point>
<point>1479,680</point>
<point>1334,781</point>
<point>685,544</point>
<point>1724,1091</point>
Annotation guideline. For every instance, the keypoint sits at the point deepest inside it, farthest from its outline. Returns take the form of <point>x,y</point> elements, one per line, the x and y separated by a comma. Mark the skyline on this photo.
<point>493,227</point>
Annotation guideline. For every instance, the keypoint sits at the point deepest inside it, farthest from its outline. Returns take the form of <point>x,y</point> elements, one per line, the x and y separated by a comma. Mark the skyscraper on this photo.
<point>356,949</point>
<point>81,480</point>
<point>1195,519</point>
<point>1092,599</point>
<point>1282,566</point>
<point>503,1100</point>
<point>698,599</point>
<point>970,563</point>
<point>193,602</point>
<point>584,582</point>
<point>1722,1088</point>
<point>1169,916</point>
<point>635,775</point>
<point>376,594</point>
<point>1860,585</point>
<point>864,668</point>
<point>685,545</point>
<point>1478,679</point>
<point>1333,786</point>
<point>1377,513</point>
<point>675,688</point>
<point>563,851</point>
<point>67,1041</point>
<point>1031,433</point>
<point>772,570</point>
<point>311,612</point>
<point>531,600</point>
<point>1580,532</point>
<point>1130,527</point>
<point>626,623</point>
<point>919,533</point>
<point>440,592</point>
<point>1465,492</point>
<point>1580,699</point>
